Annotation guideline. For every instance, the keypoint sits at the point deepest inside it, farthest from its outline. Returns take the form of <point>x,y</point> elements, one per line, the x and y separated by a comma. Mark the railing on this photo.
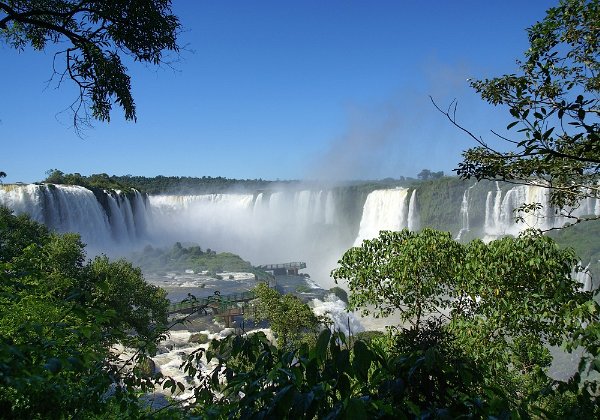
<point>296,265</point>
<point>217,303</point>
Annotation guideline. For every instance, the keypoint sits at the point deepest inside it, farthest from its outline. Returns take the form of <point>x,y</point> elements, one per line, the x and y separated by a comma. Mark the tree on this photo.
<point>515,297</point>
<point>502,303</point>
<point>554,101</point>
<point>95,37</point>
<point>408,273</point>
<point>332,379</point>
<point>289,318</point>
<point>425,174</point>
<point>60,320</point>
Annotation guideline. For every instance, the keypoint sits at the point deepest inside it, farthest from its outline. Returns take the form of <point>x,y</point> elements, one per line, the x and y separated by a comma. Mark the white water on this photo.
<point>315,226</point>
<point>335,310</point>
<point>464,212</point>
<point>267,228</point>
<point>584,278</point>
<point>501,214</point>
<point>174,350</point>
<point>413,214</point>
<point>76,209</point>
<point>383,210</point>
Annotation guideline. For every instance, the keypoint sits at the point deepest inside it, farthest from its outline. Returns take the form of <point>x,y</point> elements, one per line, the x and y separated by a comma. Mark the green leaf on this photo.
<point>343,386</point>
<point>596,364</point>
<point>362,360</point>
<point>54,365</point>
<point>355,410</point>
<point>322,342</point>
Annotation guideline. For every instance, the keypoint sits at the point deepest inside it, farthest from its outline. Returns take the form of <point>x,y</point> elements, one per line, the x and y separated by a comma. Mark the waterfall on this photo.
<point>119,220</point>
<point>263,228</point>
<point>493,211</point>
<point>139,212</point>
<point>318,212</point>
<point>464,212</point>
<point>383,210</point>
<point>413,214</point>
<point>501,215</point>
<point>303,205</point>
<point>329,209</point>
<point>311,225</point>
<point>68,208</point>
<point>584,278</point>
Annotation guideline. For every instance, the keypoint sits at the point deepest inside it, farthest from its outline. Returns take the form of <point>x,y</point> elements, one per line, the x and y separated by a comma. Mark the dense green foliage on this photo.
<point>60,316</point>
<point>93,37</point>
<point>180,258</point>
<point>502,302</point>
<point>206,184</point>
<point>426,174</point>
<point>291,320</point>
<point>161,184</point>
<point>555,105</point>
<point>334,379</point>
<point>392,274</point>
<point>192,185</point>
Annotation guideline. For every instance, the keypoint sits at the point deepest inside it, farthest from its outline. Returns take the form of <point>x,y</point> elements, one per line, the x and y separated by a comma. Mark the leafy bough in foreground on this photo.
<point>336,378</point>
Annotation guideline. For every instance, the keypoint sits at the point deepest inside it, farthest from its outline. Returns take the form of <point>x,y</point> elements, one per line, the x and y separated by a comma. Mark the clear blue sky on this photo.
<point>281,90</point>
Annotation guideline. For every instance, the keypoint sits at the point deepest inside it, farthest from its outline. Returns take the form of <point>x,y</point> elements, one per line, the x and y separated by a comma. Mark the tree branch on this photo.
<point>452,119</point>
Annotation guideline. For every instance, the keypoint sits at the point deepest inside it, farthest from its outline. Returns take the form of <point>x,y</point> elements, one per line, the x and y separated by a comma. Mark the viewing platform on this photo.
<point>290,269</point>
<point>227,306</point>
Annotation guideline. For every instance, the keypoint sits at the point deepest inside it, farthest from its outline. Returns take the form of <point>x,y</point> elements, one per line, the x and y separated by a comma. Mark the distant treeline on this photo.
<point>192,185</point>
<point>103,181</point>
<point>195,185</point>
<point>159,184</point>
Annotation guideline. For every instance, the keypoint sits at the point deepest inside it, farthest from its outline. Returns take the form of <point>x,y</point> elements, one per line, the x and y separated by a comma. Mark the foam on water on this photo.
<point>335,310</point>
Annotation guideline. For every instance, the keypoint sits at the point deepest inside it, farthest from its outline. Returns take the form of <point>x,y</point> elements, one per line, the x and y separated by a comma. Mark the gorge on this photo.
<point>315,225</point>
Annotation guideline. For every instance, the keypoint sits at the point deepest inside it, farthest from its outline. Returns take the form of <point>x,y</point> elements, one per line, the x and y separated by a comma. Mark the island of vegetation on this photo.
<point>192,257</point>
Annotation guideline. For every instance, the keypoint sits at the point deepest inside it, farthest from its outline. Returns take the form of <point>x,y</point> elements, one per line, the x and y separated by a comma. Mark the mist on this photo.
<point>267,227</point>
<point>403,133</point>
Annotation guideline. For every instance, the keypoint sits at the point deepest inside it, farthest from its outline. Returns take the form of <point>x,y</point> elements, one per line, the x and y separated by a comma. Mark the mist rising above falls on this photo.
<point>264,227</point>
